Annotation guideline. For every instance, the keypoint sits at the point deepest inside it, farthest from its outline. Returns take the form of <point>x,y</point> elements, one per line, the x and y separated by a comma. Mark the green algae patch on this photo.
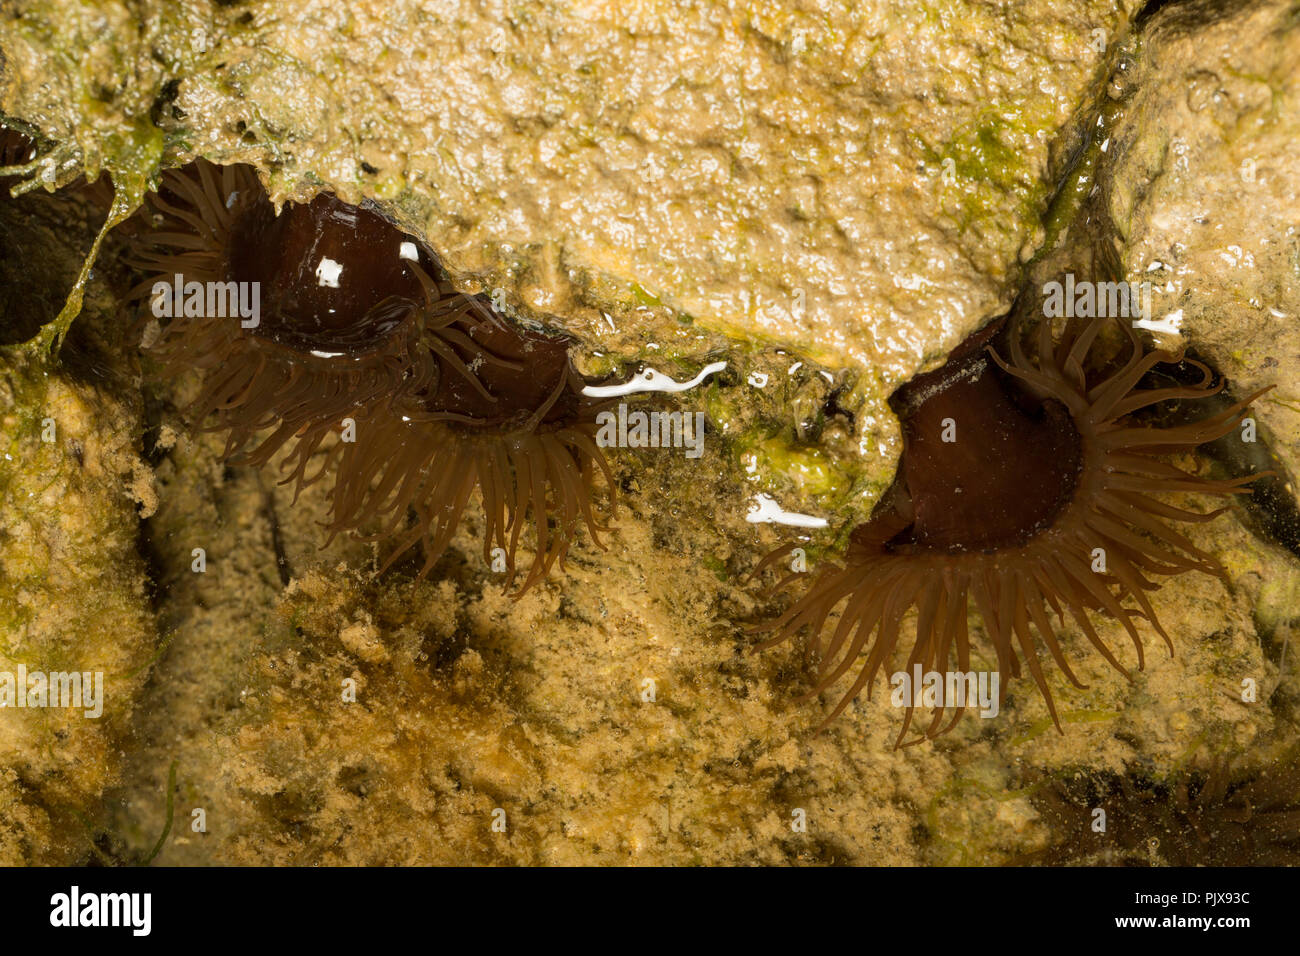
<point>988,183</point>
<point>86,79</point>
<point>50,338</point>
<point>130,162</point>
<point>812,440</point>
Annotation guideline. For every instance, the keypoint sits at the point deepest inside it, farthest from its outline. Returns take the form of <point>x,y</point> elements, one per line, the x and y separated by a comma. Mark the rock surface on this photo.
<point>663,181</point>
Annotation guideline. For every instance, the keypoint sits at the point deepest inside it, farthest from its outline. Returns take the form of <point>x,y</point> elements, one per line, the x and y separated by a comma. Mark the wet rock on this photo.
<point>1203,187</point>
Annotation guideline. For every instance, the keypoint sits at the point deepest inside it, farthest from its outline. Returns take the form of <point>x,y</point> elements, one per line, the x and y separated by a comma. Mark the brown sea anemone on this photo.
<point>527,443</point>
<point>1024,488</point>
<point>359,333</point>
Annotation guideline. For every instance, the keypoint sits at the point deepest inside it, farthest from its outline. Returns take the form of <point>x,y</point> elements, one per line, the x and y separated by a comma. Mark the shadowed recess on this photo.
<point>1216,816</point>
<point>44,240</point>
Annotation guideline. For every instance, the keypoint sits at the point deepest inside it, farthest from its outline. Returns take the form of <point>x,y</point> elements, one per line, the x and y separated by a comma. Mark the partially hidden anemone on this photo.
<point>359,334</point>
<point>1026,490</point>
<point>15,148</point>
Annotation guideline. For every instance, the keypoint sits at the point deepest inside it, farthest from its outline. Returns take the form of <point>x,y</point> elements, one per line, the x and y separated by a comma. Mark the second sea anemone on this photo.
<point>1027,492</point>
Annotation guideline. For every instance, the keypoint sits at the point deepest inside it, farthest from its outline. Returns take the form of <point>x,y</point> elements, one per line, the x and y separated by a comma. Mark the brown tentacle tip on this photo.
<point>1026,492</point>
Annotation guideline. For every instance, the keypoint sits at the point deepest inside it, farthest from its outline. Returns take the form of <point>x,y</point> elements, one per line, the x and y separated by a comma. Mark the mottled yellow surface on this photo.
<point>72,599</point>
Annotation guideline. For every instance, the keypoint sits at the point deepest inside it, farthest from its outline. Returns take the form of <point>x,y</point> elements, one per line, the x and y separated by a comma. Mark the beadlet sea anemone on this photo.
<point>1024,487</point>
<point>327,319</point>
